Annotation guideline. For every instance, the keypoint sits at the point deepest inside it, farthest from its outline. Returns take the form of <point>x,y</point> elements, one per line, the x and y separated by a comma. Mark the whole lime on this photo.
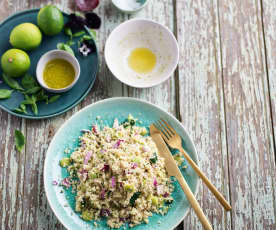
<point>26,36</point>
<point>50,20</point>
<point>15,62</point>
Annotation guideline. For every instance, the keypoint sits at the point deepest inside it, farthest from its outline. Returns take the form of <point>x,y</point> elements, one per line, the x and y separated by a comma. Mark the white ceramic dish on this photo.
<point>53,54</point>
<point>130,8</point>
<point>138,33</point>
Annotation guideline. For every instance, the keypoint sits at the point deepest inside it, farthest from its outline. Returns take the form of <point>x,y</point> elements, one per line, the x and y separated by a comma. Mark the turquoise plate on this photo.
<point>89,68</point>
<point>67,138</point>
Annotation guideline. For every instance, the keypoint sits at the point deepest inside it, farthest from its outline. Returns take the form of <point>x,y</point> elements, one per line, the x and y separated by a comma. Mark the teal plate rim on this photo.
<point>46,185</point>
<point>69,107</point>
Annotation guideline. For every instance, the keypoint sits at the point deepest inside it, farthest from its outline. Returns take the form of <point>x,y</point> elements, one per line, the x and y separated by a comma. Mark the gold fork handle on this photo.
<point>208,183</point>
<point>195,205</point>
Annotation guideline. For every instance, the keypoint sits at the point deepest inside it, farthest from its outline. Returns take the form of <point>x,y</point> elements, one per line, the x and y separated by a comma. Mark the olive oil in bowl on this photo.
<point>58,74</point>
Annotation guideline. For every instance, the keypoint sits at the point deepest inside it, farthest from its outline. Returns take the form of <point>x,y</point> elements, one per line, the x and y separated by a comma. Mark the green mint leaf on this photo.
<point>68,32</point>
<point>70,43</point>
<point>34,108</point>
<point>5,93</point>
<point>19,140</point>
<point>153,159</point>
<point>63,46</point>
<point>78,34</point>
<point>33,90</point>
<point>28,81</point>
<point>40,96</point>
<point>12,83</point>
<point>53,98</point>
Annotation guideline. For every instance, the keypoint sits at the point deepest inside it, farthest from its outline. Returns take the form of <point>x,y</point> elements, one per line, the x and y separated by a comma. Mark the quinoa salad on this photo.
<point>116,173</point>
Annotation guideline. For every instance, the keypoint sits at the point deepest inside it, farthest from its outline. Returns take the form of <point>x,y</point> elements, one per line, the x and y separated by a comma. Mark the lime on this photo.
<point>15,62</point>
<point>50,20</point>
<point>26,36</point>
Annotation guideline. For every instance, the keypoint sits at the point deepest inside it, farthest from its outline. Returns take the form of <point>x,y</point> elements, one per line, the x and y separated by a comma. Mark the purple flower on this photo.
<point>87,157</point>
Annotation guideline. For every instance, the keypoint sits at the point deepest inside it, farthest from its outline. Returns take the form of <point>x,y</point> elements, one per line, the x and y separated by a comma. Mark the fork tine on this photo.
<point>162,131</point>
<point>169,127</point>
<point>168,130</point>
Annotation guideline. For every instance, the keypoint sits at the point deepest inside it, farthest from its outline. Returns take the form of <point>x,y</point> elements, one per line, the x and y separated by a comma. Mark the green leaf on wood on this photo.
<point>19,140</point>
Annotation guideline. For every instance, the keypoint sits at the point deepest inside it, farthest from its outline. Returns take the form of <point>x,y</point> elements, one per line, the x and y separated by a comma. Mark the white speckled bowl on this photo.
<point>144,33</point>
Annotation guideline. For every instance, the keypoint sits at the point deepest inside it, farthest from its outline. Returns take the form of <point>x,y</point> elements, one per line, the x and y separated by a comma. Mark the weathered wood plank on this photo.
<point>11,162</point>
<point>269,26</point>
<point>201,102</point>
<point>248,121</point>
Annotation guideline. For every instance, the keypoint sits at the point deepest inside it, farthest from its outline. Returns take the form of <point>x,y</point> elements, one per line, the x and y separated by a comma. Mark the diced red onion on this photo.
<point>87,157</point>
<point>105,168</point>
<point>117,144</point>
<point>155,182</point>
<point>104,212</point>
<point>102,194</point>
<point>66,182</point>
<point>113,182</point>
<point>134,165</point>
<point>95,129</point>
<point>54,182</point>
<point>166,194</point>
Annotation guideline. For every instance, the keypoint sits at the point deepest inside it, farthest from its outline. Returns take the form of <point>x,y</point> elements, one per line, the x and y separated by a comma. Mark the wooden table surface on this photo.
<point>223,92</point>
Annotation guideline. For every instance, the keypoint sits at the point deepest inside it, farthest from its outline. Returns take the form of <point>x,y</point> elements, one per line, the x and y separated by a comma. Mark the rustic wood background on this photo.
<point>224,92</point>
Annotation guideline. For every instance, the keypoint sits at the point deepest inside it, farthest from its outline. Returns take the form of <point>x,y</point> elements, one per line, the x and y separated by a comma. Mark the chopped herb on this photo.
<point>21,109</point>
<point>153,159</point>
<point>78,34</point>
<point>68,32</point>
<point>5,93</point>
<point>19,140</point>
<point>53,98</point>
<point>41,96</point>
<point>28,82</point>
<point>67,48</point>
<point>70,43</point>
<point>132,122</point>
<point>134,197</point>
<point>12,83</point>
<point>33,90</point>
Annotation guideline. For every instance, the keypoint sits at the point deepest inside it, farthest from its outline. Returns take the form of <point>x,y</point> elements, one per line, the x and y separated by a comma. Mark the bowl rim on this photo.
<point>102,102</point>
<point>174,66</point>
<point>131,11</point>
<point>63,53</point>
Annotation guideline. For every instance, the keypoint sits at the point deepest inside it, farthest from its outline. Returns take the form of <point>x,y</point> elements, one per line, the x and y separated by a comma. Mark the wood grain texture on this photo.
<point>248,121</point>
<point>201,102</point>
<point>269,28</point>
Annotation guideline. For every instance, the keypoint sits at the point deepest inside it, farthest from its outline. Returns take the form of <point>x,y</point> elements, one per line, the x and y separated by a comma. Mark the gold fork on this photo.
<point>174,141</point>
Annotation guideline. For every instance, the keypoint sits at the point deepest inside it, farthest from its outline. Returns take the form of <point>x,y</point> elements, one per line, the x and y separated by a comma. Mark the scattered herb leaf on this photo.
<point>12,83</point>
<point>5,93</point>
<point>28,81</point>
<point>70,43</point>
<point>53,98</point>
<point>34,108</point>
<point>68,32</point>
<point>33,90</point>
<point>19,140</point>
<point>41,96</point>
<point>21,109</point>
<point>134,197</point>
<point>78,34</point>
<point>63,46</point>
